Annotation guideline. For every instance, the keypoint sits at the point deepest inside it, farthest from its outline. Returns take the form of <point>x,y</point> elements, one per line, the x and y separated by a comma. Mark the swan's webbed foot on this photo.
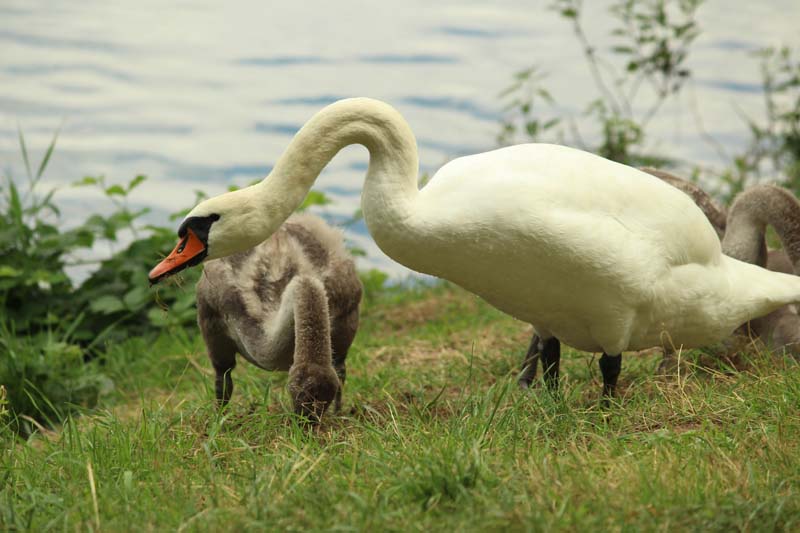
<point>610,367</point>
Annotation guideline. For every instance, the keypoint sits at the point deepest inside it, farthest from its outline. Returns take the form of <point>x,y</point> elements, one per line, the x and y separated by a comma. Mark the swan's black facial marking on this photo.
<point>200,225</point>
<point>193,233</point>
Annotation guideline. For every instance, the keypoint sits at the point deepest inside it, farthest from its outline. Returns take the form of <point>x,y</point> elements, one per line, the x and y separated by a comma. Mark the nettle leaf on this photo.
<point>569,13</point>
<point>136,298</point>
<point>87,180</point>
<point>135,182</point>
<point>115,190</point>
<point>158,317</point>
<point>7,271</point>
<point>107,304</point>
<point>314,198</point>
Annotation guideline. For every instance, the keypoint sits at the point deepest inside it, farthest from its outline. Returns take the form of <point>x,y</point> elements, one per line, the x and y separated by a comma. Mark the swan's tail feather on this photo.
<point>762,291</point>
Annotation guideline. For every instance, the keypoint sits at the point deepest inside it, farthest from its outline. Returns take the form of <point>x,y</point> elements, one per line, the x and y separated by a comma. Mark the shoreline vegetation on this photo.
<point>107,419</point>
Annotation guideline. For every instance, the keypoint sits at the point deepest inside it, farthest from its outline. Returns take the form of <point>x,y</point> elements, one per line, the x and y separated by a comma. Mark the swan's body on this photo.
<point>604,267</point>
<point>598,254</point>
<point>716,214</point>
<point>290,303</point>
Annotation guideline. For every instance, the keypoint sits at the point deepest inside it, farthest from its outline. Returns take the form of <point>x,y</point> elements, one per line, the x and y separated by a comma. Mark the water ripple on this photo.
<point>41,41</point>
<point>410,59</point>
<point>479,33</point>
<point>52,68</point>
<point>732,86</point>
<point>276,127</point>
<point>453,104</point>
<point>281,61</point>
<point>321,100</point>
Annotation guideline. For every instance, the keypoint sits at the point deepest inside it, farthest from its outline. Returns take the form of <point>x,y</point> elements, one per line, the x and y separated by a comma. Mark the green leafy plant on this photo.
<point>44,378</point>
<point>653,39</point>
<point>774,148</point>
<point>34,287</point>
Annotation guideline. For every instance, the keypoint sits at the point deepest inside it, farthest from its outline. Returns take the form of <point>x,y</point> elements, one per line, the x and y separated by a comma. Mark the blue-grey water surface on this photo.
<point>204,94</point>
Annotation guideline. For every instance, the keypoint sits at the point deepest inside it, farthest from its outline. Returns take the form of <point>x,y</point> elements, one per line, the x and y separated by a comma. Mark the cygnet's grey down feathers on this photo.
<point>290,303</point>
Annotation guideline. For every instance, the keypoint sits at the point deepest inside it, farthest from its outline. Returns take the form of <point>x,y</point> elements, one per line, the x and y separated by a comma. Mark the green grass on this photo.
<point>434,434</point>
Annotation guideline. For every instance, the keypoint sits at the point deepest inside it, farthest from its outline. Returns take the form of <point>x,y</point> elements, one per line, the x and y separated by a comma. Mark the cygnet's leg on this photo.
<point>530,364</point>
<point>343,331</point>
<point>610,367</point>
<point>222,352</point>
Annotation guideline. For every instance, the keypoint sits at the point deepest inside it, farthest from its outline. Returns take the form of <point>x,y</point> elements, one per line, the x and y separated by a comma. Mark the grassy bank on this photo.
<point>434,434</point>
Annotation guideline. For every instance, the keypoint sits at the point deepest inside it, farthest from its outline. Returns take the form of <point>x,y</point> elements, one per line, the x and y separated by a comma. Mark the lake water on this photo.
<point>204,94</point>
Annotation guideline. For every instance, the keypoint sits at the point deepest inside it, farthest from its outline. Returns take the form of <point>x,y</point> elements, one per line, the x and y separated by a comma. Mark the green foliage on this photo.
<point>374,282</point>
<point>525,96</point>
<point>314,198</point>
<point>774,148</point>
<point>44,378</point>
<point>653,39</point>
<point>34,287</point>
<point>120,302</point>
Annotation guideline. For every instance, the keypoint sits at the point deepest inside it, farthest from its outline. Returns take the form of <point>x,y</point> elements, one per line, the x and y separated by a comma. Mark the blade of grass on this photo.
<point>25,158</point>
<point>46,158</point>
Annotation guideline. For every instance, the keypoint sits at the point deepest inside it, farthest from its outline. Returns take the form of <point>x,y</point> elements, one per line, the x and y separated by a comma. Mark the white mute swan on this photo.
<point>597,254</point>
<point>290,303</point>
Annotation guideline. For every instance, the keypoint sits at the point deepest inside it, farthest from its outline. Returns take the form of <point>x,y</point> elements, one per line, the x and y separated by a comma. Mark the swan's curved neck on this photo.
<point>391,182</point>
<point>747,220</point>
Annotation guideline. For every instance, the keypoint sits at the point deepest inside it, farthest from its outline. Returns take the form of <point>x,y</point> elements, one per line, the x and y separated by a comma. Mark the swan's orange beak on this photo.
<point>188,248</point>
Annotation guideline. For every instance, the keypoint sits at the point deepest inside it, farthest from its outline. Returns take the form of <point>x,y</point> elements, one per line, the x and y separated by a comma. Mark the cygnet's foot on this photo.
<point>313,389</point>
<point>525,382</point>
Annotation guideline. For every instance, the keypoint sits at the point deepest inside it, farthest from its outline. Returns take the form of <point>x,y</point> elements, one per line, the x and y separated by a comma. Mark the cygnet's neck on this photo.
<point>752,211</point>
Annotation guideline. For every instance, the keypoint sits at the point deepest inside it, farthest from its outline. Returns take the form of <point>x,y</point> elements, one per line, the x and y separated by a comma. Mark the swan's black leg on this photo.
<point>530,364</point>
<point>610,366</point>
<point>551,359</point>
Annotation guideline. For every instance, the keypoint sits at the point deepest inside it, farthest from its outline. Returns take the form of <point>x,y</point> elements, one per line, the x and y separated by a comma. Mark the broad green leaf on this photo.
<point>136,298</point>
<point>87,180</point>
<point>135,182</point>
<point>314,198</point>
<point>115,190</point>
<point>107,304</point>
<point>7,271</point>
